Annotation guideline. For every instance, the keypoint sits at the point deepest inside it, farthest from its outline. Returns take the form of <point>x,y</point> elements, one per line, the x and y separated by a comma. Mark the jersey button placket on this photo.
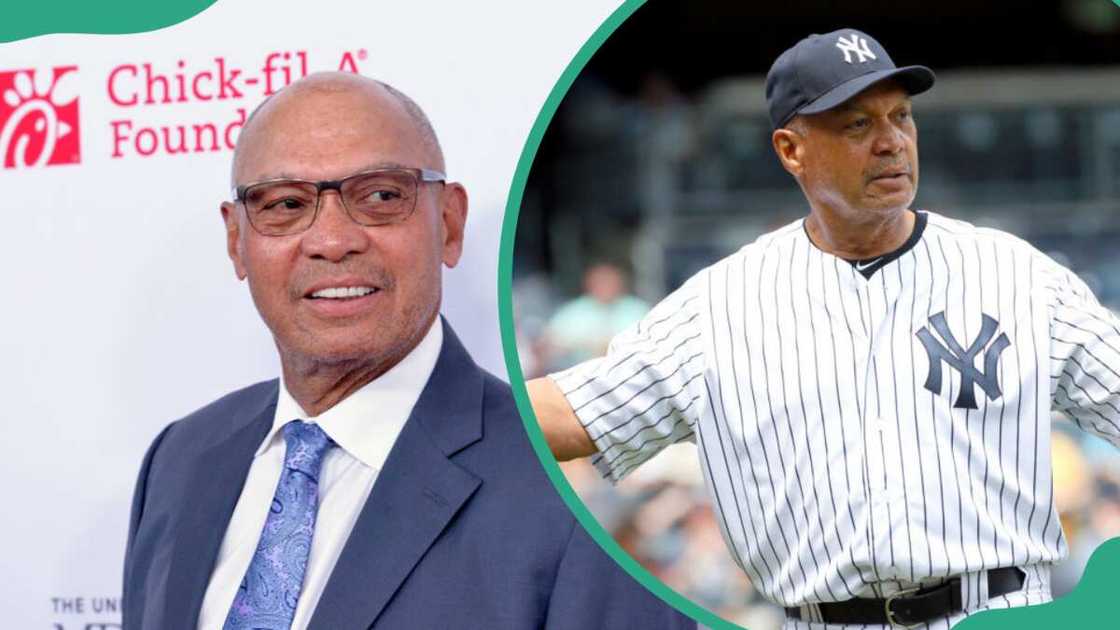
<point>892,456</point>
<point>883,463</point>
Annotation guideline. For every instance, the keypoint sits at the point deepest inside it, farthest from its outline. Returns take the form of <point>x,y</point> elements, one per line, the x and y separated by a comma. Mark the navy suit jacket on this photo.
<point>461,530</point>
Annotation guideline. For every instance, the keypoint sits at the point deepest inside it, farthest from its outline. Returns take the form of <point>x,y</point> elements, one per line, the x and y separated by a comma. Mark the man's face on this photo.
<point>605,283</point>
<point>318,135</point>
<point>862,156</point>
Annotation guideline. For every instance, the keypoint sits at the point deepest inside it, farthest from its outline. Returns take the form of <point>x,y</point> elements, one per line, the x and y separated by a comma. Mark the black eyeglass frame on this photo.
<point>422,176</point>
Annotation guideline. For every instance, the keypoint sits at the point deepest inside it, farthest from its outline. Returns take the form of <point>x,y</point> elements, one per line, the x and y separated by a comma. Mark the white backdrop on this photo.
<point>121,311</point>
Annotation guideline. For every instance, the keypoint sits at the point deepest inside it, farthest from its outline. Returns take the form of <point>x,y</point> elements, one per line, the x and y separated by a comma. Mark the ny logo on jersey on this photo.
<point>964,360</point>
<point>857,45</point>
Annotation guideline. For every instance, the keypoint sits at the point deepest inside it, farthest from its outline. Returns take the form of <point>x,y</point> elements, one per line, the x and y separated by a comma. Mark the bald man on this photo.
<point>383,480</point>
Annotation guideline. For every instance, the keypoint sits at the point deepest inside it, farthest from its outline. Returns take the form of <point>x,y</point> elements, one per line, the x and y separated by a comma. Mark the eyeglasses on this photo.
<point>281,207</point>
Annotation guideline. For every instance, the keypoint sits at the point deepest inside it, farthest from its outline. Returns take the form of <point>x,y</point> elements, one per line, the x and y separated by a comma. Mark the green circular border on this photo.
<point>509,343</point>
<point>1084,607</point>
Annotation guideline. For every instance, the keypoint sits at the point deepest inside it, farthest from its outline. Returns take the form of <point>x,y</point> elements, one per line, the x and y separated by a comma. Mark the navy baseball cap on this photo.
<point>822,71</point>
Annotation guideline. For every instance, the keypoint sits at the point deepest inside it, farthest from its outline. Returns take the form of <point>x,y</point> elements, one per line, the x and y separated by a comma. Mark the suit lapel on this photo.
<point>416,495</point>
<point>212,491</point>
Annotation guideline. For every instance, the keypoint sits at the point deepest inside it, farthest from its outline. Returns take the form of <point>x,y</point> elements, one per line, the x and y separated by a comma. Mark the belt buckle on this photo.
<point>890,614</point>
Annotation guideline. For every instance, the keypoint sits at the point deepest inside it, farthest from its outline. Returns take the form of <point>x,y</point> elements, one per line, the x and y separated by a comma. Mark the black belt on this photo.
<point>913,606</point>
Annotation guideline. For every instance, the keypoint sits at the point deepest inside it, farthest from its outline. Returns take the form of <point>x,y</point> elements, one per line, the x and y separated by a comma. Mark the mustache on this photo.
<point>891,167</point>
<point>317,271</point>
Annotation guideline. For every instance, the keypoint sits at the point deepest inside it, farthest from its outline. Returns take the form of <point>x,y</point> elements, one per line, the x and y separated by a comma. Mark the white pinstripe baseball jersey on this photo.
<point>857,433</point>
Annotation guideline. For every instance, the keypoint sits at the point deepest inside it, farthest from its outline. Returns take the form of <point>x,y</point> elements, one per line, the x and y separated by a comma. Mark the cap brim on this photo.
<point>914,79</point>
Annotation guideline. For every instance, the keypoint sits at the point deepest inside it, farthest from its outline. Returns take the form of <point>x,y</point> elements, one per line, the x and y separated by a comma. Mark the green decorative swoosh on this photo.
<point>30,18</point>
<point>1085,607</point>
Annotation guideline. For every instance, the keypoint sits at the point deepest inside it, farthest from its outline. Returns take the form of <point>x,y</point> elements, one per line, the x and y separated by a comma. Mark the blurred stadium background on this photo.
<point>658,163</point>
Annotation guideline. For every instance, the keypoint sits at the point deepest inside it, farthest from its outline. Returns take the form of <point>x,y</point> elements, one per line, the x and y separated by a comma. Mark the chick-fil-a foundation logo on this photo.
<point>139,91</point>
<point>39,117</point>
<point>39,107</point>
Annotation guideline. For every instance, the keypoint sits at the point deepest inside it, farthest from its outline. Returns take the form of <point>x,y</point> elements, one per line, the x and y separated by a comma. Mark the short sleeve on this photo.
<point>645,394</point>
<point>1084,357</point>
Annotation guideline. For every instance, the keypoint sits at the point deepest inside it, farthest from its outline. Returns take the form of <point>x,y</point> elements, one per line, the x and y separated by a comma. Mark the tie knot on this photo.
<point>307,444</point>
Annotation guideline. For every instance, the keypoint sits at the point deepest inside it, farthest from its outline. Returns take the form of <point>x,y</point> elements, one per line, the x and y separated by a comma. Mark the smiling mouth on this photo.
<point>342,293</point>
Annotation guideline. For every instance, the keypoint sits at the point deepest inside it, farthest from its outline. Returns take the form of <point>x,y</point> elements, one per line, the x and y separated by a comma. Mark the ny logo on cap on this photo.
<point>963,360</point>
<point>857,45</point>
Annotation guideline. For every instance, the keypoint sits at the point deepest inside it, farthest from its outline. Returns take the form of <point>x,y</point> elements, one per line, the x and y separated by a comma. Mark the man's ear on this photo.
<point>453,220</point>
<point>232,220</point>
<point>789,144</point>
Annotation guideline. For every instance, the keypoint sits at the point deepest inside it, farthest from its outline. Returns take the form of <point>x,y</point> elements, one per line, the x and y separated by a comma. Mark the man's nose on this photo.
<point>334,235</point>
<point>889,139</point>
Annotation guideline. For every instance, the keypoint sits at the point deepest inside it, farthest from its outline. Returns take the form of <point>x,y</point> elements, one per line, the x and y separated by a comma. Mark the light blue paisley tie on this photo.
<point>267,597</point>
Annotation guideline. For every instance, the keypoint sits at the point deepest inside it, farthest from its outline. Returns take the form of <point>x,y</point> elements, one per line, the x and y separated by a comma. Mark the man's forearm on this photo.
<point>565,435</point>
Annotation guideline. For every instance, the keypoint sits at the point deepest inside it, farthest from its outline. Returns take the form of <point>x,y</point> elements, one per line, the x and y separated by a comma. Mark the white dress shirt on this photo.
<point>364,426</point>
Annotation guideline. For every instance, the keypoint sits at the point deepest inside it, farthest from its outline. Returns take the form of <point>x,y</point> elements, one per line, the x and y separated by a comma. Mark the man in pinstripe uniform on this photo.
<point>869,387</point>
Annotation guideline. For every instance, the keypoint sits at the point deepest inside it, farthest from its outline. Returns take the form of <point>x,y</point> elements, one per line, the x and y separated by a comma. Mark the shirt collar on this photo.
<point>366,423</point>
